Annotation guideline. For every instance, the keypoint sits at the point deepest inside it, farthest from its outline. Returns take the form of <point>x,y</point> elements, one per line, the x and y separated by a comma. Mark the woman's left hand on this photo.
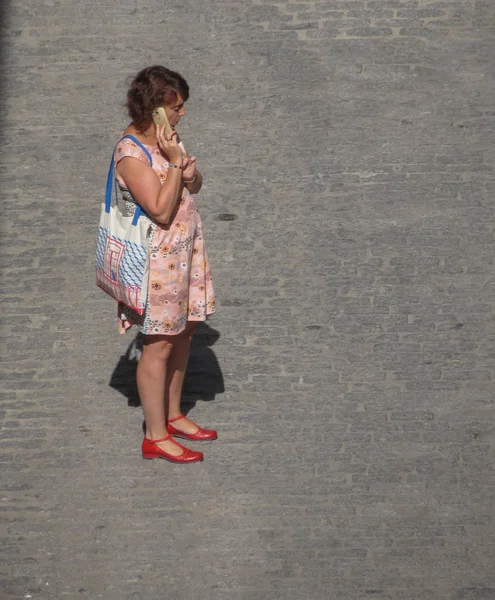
<point>188,168</point>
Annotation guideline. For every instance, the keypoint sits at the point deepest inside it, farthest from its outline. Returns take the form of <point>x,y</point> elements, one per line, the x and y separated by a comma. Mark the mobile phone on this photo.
<point>159,117</point>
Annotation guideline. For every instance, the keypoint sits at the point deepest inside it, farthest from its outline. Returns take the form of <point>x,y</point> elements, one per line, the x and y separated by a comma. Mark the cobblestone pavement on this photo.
<point>347,147</point>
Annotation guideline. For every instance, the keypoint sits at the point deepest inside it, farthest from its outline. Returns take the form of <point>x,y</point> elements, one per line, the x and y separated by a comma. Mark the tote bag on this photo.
<point>122,256</point>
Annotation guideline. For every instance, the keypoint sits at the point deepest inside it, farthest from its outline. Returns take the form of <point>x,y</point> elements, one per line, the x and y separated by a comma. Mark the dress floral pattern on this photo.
<point>180,284</point>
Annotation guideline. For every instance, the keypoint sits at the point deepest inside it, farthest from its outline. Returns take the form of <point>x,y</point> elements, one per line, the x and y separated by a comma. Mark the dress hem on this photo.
<point>124,326</point>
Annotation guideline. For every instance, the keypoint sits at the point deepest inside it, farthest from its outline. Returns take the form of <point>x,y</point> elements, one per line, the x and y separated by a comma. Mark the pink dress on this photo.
<point>180,285</point>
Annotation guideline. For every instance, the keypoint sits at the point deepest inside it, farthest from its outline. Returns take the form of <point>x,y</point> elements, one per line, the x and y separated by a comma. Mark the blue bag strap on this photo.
<point>111,179</point>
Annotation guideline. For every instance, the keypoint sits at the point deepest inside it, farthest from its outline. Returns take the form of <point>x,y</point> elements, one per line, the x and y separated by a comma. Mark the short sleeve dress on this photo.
<point>180,285</point>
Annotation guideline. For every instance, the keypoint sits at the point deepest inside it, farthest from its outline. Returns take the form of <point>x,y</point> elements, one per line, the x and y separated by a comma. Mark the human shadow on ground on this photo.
<point>203,378</point>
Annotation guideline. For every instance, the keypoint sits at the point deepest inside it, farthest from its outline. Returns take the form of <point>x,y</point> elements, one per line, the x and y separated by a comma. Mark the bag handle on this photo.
<point>112,179</point>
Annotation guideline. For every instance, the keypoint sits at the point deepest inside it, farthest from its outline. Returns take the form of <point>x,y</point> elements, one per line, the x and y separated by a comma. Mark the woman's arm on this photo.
<point>157,200</point>
<point>196,184</point>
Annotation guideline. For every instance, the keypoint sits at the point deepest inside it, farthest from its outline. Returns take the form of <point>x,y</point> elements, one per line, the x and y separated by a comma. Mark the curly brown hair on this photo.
<point>152,87</point>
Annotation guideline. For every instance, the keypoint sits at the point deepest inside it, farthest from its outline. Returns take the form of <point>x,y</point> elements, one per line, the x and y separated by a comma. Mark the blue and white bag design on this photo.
<point>122,248</point>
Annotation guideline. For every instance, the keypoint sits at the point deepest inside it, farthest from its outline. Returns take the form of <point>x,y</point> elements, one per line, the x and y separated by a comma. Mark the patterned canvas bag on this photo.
<point>122,257</point>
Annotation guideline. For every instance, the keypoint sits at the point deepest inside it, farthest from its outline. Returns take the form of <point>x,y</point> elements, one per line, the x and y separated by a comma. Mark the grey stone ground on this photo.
<point>353,140</point>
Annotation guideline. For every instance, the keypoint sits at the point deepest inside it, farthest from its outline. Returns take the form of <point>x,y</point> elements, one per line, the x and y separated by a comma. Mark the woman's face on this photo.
<point>175,110</point>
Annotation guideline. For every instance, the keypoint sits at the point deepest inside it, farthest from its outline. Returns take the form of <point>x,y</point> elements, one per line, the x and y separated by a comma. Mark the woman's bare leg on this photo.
<point>151,376</point>
<point>176,370</point>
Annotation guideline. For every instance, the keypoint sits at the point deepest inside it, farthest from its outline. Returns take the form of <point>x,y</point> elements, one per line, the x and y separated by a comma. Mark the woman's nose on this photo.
<point>182,112</point>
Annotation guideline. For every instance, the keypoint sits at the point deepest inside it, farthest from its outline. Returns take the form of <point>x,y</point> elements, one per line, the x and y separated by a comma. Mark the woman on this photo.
<point>180,287</point>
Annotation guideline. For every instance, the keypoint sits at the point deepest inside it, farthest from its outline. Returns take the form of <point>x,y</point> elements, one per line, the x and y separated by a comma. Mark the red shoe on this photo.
<point>200,435</point>
<point>151,450</point>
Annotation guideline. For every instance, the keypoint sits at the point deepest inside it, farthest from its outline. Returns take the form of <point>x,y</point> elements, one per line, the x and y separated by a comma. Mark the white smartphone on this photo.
<point>159,117</point>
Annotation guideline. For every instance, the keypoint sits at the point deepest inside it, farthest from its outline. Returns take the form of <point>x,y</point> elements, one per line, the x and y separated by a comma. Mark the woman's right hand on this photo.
<point>169,144</point>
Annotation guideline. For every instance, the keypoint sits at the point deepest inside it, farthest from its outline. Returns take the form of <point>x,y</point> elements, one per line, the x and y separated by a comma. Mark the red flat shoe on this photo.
<point>199,436</point>
<point>151,450</point>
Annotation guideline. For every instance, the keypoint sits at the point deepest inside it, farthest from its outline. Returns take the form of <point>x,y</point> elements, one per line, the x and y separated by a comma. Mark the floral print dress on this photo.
<point>180,286</point>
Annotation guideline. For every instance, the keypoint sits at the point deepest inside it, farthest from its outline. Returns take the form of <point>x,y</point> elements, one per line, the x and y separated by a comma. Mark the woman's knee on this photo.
<point>190,329</point>
<point>157,348</point>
